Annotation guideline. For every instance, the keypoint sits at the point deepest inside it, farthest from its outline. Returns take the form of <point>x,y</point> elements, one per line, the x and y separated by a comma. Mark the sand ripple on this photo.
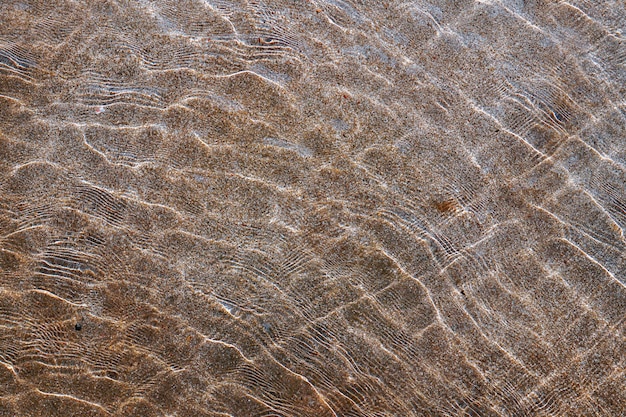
<point>312,208</point>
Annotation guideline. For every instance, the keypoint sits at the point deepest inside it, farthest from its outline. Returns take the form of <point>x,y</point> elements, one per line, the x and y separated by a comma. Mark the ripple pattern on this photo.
<point>330,208</point>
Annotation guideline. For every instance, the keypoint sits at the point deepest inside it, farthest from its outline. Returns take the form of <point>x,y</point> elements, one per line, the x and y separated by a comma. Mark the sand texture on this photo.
<point>312,208</point>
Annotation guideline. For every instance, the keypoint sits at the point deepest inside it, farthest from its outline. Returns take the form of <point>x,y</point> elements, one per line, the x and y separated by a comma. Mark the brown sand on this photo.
<point>312,208</point>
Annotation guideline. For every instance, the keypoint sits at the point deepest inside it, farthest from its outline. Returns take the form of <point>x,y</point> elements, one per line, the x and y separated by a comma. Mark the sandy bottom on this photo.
<point>325,208</point>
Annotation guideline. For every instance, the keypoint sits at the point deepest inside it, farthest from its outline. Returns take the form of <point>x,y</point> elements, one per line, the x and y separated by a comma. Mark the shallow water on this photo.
<point>312,208</point>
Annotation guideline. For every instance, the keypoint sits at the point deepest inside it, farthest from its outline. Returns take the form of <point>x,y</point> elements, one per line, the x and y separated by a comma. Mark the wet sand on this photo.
<point>312,208</point>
